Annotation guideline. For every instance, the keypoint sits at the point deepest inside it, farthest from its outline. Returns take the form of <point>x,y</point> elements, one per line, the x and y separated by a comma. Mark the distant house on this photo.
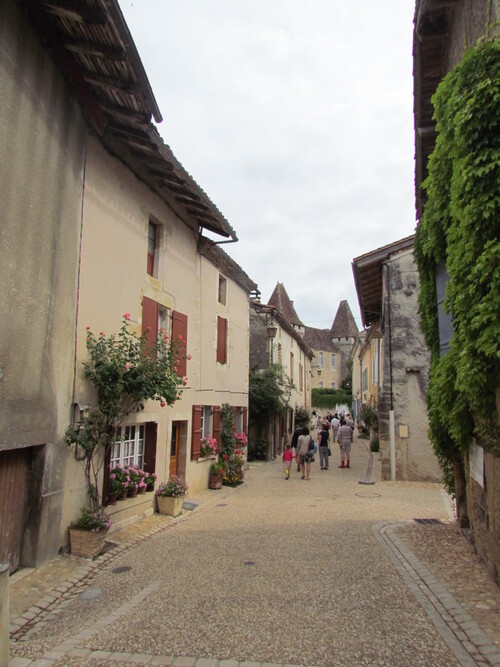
<point>274,340</point>
<point>99,218</point>
<point>393,361</point>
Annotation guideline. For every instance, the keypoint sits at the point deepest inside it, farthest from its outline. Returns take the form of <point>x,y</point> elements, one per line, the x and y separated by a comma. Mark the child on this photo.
<point>288,457</point>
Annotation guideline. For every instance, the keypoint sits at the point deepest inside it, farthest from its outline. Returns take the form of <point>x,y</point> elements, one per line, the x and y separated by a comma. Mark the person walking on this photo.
<point>335,424</point>
<point>304,455</point>
<point>344,439</point>
<point>293,444</point>
<point>323,447</point>
<point>288,457</point>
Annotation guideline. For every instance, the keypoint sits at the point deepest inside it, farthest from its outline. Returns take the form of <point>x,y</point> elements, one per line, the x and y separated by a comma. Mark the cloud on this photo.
<point>296,119</point>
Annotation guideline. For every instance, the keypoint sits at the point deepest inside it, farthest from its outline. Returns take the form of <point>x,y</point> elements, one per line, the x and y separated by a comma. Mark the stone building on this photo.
<point>442,33</point>
<point>99,218</point>
<point>393,361</point>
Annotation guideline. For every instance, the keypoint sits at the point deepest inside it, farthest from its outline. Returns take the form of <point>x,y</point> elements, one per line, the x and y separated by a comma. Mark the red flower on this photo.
<point>179,337</point>
<point>163,404</point>
<point>126,316</point>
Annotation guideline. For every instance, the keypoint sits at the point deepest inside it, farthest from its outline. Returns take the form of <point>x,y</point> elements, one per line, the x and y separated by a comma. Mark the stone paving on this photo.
<point>327,572</point>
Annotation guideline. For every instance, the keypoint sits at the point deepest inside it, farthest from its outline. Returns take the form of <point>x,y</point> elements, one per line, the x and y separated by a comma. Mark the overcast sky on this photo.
<point>295,117</point>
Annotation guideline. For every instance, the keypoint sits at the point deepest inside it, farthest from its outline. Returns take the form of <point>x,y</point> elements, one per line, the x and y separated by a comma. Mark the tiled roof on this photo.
<point>220,259</point>
<point>92,45</point>
<point>344,324</point>
<point>280,300</point>
<point>284,324</point>
<point>320,339</point>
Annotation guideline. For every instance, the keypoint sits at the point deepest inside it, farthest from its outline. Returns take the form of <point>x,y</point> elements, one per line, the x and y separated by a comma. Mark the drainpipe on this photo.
<point>392,428</point>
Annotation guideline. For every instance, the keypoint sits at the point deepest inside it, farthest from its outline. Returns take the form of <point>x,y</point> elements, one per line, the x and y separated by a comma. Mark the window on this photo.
<point>222,290</point>
<point>301,377</point>
<point>364,380</point>
<point>332,386</point>
<point>128,448</point>
<point>280,355</point>
<point>321,385</point>
<point>320,360</point>
<point>375,369</point>
<point>152,249</point>
<point>332,360</point>
<point>291,366</point>
<point>206,421</point>
<point>222,340</point>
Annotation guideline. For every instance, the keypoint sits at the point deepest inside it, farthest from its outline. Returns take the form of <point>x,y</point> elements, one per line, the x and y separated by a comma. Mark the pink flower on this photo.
<point>189,357</point>
<point>101,333</point>
<point>148,329</point>
<point>179,337</point>
<point>185,381</point>
<point>163,404</point>
<point>88,328</point>
<point>127,366</point>
<point>126,316</point>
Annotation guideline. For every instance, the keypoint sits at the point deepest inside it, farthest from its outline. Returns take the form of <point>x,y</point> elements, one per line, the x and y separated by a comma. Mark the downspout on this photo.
<point>392,429</point>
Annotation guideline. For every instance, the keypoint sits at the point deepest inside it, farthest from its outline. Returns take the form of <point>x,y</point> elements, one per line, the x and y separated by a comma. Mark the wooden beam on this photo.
<point>185,199</point>
<point>76,11</point>
<point>126,114</point>
<point>110,83</point>
<point>94,49</point>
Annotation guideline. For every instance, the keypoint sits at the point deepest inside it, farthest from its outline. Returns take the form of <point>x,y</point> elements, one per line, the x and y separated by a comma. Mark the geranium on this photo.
<point>174,487</point>
<point>241,438</point>
<point>208,446</point>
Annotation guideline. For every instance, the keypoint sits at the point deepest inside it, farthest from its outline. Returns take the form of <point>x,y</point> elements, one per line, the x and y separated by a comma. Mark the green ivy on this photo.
<point>460,228</point>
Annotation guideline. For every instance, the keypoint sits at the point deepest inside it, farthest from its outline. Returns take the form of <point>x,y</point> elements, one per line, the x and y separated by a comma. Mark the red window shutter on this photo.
<point>245,420</point>
<point>196,432</point>
<point>150,446</point>
<point>216,425</point>
<point>179,337</point>
<point>150,319</point>
<point>105,481</point>
<point>221,340</point>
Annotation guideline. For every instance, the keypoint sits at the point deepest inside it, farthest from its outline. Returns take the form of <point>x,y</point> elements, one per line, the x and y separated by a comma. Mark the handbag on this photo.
<point>329,451</point>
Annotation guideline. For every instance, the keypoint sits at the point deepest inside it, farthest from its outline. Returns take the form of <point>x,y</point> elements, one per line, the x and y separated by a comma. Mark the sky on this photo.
<point>296,118</point>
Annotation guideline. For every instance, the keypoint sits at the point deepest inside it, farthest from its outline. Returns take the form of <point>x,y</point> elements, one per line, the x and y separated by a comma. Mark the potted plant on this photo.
<point>216,474</point>
<point>150,479</point>
<point>170,496</point>
<point>233,470</point>
<point>115,488</point>
<point>88,533</point>
<point>208,447</point>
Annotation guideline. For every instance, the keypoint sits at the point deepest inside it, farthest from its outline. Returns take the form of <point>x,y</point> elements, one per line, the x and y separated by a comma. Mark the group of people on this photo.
<point>302,447</point>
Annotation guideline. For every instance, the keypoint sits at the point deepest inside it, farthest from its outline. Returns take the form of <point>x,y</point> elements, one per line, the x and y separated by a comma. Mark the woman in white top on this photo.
<point>303,454</point>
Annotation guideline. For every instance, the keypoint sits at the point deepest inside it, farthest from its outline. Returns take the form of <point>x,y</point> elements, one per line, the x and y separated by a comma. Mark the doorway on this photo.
<point>174,450</point>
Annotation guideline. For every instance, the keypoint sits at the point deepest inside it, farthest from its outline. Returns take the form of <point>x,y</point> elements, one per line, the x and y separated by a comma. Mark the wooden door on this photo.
<point>174,450</point>
<point>15,468</point>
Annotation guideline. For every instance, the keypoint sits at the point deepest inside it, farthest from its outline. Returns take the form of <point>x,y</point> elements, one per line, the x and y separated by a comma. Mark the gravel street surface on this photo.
<point>325,572</point>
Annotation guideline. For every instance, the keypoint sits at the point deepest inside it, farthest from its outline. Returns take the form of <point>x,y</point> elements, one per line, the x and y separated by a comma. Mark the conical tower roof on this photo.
<point>280,300</point>
<point>344,324</point>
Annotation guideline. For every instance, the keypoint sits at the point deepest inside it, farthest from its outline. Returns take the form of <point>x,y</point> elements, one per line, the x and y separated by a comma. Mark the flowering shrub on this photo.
<point>126,370</point>
<point>174,487</point>
<point>233,469</point>
<point>208,446</point>
<point>217,468</point>
<point>92,520</point>
<point>150,479</point>
<point>241,439</point>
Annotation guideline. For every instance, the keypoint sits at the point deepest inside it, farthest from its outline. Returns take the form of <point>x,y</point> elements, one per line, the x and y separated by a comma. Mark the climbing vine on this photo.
<point>460,229</point>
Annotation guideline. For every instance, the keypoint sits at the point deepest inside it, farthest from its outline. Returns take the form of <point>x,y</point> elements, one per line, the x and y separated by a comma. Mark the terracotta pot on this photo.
<point>141,489</point>
<point>86,543</point>
<point>112,498</point>
<point>170,505</point>
<point>132,492</point>
<point>123,495</point>
<point>150,487</point>
<point>215,481</point>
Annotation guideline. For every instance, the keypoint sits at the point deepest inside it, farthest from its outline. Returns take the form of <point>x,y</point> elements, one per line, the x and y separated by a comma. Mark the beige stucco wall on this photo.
<point>117,210</point>
<point>283,346</point>
<point>42,144</point>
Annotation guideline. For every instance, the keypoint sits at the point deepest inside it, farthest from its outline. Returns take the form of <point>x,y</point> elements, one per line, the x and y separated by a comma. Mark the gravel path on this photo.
<point>283,572</point>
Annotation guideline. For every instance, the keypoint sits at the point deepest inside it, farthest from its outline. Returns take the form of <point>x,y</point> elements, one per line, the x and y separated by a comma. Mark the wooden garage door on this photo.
<point>15,467</point>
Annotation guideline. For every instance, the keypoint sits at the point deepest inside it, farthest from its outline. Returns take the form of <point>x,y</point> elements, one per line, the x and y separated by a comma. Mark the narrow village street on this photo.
<point>326,572</point>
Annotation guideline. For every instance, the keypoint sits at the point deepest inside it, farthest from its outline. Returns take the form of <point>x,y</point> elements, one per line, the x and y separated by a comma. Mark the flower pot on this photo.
<point>132,491</point>
<point>170,505</point>
<point>215,481</point>
<point>87,543</point>
<point>141,489</point>
<point>150,487</point>
<point>112,498</point>
<point>123,495</point>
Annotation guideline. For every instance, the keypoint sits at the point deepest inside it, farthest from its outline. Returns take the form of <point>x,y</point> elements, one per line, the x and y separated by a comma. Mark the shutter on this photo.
<point>196,432</point>
<point>221,340</point>
<point>245,420</point>
<point>105,481</point>
<point>216,426</point>
<point>179,338</point>
<point>150,446</point>
<point>150,319</point>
